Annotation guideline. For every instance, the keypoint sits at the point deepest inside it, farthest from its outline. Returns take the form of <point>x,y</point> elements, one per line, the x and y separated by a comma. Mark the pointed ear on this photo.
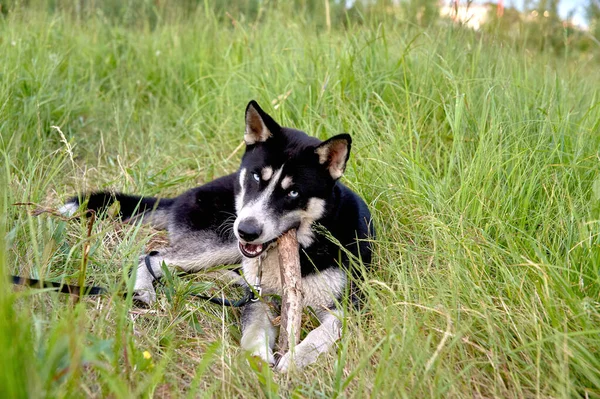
<point>259,125</point>
<point>334,154</point>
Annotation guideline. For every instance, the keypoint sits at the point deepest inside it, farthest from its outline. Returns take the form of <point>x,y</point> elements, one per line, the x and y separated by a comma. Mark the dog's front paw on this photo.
<point>304,355</point>
<point>284,363</point>
<point>144,297</point>
<point>264,354</point>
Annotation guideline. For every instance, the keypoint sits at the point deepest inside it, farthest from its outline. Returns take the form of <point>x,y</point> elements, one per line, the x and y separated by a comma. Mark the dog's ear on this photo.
<point>259,125</point>
<point>334,154</point>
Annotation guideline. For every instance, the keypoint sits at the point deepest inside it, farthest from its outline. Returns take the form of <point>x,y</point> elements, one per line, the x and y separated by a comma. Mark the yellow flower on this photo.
<point>147,355</point>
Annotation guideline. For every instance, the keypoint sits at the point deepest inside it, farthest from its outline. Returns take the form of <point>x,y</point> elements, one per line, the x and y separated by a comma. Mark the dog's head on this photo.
<point>284,181</point>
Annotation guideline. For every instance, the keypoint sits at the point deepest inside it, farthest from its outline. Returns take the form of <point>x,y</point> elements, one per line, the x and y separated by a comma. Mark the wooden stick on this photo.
<point>291,298</point>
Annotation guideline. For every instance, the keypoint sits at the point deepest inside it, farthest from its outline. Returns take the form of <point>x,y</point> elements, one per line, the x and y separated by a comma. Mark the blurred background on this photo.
<point>543,24</point>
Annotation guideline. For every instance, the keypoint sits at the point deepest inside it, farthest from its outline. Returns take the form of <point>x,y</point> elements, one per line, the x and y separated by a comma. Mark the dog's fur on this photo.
<point>286,180</point>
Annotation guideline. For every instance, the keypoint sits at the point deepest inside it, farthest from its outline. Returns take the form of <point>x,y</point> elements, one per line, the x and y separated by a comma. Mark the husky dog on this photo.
<point>286,180</point>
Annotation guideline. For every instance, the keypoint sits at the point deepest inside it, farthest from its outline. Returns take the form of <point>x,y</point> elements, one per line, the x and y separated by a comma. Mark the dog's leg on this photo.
<point>318,341</point>
<point>144,288</point>
<point>187,258</point>
<point>258,332</point>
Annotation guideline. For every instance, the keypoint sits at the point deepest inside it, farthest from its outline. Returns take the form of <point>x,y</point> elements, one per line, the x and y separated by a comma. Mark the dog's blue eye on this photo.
<point>293,194</point>
<point>256,176</point>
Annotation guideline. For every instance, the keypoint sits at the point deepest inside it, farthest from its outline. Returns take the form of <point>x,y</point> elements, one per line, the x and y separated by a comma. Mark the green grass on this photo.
<point>480,162</point>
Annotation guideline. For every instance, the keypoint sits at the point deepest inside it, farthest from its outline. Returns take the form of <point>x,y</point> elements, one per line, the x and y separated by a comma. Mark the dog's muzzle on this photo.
<point>254,250</point>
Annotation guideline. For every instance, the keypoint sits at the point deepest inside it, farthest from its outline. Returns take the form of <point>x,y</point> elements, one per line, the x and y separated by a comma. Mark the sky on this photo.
<point>564,7</point>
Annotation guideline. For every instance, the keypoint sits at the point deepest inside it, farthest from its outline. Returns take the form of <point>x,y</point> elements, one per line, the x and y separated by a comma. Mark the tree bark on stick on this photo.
<point>291,298</point>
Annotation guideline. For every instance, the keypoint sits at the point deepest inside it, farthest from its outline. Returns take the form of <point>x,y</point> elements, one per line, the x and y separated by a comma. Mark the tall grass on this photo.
<point>480,162</point>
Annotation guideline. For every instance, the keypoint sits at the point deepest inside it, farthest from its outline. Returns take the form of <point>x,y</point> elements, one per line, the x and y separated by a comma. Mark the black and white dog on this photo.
<point>286,180</point>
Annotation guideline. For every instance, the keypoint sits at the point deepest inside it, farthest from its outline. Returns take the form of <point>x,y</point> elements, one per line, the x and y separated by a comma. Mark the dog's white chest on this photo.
<point>271,275</point>
<point>319,289</point>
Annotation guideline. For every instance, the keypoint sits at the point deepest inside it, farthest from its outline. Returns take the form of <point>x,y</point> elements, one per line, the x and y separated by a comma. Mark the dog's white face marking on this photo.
<point>259,209</point>
<point>267,173</point>
<point>239,199</point>
<point>313,212</point>
<point>286,182</point>
<point>272,226</point>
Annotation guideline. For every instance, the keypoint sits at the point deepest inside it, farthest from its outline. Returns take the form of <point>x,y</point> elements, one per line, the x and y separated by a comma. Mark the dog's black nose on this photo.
<point>249,229</point>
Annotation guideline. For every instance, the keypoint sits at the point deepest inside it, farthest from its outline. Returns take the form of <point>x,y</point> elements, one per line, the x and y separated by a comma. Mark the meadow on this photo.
<point>479,158</point>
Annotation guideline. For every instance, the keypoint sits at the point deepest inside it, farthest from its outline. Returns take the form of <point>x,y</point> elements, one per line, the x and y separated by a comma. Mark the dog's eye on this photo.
<point>293,194</point>
<point>256,176</point>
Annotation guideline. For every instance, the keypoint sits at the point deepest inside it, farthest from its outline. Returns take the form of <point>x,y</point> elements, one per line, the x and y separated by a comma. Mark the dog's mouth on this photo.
<point>253,250</point>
